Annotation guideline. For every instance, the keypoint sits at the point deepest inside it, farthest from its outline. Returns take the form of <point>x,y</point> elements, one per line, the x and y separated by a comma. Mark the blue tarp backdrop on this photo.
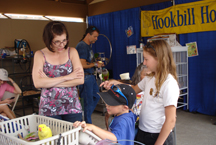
<point>113,25</point>
<point>202,69</point>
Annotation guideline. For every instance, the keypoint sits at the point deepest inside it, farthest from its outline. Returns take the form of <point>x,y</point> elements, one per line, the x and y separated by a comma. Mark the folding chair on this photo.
<point>9,95</point>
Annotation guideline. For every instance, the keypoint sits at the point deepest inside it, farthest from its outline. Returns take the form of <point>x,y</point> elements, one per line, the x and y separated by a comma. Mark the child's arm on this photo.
<point>136,89</point>
<point>169,124</point>
<point>6,101</point>
<point>108,84</point>
<point>16,87</point>
<point>103,134</point>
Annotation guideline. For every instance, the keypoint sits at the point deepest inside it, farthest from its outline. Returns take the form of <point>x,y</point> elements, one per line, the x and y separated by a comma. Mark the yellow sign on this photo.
<point>183,18</point>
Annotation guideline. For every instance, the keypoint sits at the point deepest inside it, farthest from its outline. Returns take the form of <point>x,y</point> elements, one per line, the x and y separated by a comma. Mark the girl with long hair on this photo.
<point>158,110</point>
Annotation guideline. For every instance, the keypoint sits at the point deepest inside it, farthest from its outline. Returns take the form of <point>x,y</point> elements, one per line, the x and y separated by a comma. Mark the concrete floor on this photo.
<point>191,128</point>
<point>195,129</point>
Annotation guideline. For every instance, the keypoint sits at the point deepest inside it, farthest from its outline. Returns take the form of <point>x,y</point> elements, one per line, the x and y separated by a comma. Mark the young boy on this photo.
<point>119,99</point>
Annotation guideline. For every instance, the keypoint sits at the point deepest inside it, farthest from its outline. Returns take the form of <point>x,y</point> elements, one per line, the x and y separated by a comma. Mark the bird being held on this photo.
<point>44,132</point>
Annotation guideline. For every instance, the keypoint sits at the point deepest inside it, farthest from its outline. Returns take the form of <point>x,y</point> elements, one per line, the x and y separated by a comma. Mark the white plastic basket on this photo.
<point>88,138</point>
<point>62,131</point>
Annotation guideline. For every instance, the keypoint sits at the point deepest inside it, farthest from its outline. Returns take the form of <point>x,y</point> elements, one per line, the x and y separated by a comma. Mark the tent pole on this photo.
<point>173,1</point>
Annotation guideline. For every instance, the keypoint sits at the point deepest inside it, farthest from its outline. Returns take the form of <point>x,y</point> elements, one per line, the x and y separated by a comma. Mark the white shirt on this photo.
<point>152,115</point>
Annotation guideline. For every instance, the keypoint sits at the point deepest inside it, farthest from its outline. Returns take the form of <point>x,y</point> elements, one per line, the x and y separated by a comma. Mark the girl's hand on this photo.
<point>107,84</point>
<point>11,80</point>
<point>8,100</point>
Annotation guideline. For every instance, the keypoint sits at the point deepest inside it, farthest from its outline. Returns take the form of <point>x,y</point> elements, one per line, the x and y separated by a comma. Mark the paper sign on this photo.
<point>192,49</point>
<point>131,49</point>
<point>129,31</point>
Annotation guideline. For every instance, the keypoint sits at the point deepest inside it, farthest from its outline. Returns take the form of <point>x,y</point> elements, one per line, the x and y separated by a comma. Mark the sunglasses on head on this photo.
<point>148,45</point>
<point>117,90</point>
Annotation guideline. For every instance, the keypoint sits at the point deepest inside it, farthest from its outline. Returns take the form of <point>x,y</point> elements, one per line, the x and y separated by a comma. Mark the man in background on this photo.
<point>88,91</point>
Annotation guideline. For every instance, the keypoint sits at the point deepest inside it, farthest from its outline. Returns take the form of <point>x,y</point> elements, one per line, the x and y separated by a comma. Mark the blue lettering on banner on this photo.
<point>154,20</point>
<point>172,20</point>
<point>181,18</point>
<point>185,19</point>
<point>204,13</point>
<point>167,22</point>
<point>193,16</point>
<point>189,17</point>
<point>213,15</point>
<point>160,24</point>
<point>210,16</point>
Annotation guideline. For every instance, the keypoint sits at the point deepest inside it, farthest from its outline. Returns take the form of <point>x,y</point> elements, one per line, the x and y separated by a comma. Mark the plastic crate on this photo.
<point>62,131</point>
<point>88,138</point>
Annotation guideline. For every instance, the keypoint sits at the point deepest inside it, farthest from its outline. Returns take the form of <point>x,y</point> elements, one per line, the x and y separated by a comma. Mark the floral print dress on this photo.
<point>59,100</point>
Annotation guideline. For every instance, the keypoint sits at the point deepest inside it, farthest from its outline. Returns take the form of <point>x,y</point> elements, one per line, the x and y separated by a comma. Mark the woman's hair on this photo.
<point>161,51</point>
<point>136,77</point>
<point>90,30</point>
<point>52,29</point>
